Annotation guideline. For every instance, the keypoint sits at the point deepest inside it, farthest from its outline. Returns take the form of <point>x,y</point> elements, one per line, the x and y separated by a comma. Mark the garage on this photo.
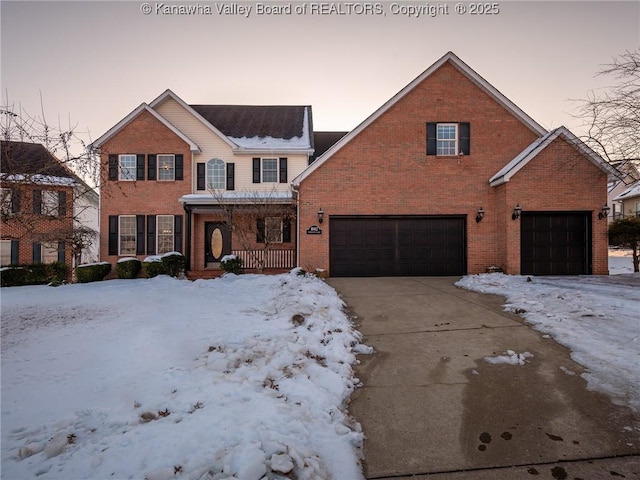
<point>556,243</point>
<point>373,246</point>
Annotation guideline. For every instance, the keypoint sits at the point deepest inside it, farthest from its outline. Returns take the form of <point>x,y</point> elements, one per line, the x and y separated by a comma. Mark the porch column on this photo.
<point>187,245</point>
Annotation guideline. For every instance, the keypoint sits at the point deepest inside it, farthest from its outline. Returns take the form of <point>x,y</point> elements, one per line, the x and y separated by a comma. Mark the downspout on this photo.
<point>294,191</point>
<point>187,245</point>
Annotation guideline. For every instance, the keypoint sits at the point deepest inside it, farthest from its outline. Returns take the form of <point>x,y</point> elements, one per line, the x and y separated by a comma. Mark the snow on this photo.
<point>596,317</point>
<point>509,358</point>
<point>238,377</point>
<point>620,261</point>
<point>39,179</point>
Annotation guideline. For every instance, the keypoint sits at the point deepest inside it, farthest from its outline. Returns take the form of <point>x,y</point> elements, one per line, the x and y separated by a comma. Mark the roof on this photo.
<point>631,192</point>
<point>323,141</point>
<point>235,197</point>
<point>529,153</point>
<point>462,67</point>
<point>24,158</point>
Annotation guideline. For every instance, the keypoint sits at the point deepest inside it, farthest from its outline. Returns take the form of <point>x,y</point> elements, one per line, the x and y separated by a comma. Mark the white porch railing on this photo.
<point>269,259</point>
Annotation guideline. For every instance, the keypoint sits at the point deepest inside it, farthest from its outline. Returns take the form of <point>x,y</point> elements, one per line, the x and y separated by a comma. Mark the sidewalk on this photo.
<point>431,406</point>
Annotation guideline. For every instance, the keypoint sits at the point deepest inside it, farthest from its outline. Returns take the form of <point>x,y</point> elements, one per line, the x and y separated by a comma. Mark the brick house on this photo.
<point>449,177</point>
<point>37,206</point>
<point>204,180</point>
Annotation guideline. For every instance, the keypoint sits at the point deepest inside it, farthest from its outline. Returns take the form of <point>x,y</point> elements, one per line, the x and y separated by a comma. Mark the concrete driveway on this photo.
<point>432,407</point>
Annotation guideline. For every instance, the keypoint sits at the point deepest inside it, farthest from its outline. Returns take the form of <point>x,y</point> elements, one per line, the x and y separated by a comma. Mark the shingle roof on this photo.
<point>238,121</point>
<point>323,141</point>
<point>23,158</point>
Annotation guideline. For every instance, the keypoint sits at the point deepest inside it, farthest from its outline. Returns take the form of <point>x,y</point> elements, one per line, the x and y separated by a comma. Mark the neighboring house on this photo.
<point>204,180</point>
<point>618,186</point>
<point>449,177</point>
<point>629,200</point>
<point>39,221</point>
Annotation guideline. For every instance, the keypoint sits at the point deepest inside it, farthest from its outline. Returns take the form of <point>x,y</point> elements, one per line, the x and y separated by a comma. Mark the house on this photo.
<point>449,177</point>
<point>203,180</point>
<point>43,207</point>
<point>629,201</point>
<point>620,186</point>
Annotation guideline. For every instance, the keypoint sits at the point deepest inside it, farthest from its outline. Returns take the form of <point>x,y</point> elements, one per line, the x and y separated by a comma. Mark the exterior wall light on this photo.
<point>320,216</point>
<point>480,215</point>
<point>604,213</point>
<point>516,212</point>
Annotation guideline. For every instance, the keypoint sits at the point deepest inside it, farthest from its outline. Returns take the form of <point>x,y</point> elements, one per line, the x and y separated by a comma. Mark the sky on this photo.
<point>90,63</point>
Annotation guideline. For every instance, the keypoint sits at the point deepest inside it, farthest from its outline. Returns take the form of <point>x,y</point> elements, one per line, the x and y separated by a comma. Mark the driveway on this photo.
<point>431,405</point>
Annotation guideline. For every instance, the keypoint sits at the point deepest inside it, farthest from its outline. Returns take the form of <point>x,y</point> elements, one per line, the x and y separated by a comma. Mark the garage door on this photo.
<point>555,243</point>
<point>393,246</point>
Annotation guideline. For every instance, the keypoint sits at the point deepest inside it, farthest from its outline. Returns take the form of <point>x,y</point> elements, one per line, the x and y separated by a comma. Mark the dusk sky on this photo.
<point>94,62</point>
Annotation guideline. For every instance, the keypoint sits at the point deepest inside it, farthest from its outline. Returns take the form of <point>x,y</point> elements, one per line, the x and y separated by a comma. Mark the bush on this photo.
<point>34,274</point>
<point>128,267</point>
<point>153,266</point>
<point>174,263</point>
<point>232,264</point>
<point>92,272</point>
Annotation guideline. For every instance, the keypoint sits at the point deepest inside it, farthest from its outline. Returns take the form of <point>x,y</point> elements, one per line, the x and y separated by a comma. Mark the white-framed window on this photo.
<point>127,235</point>
<point>49,252</point>
<point>273,229</point>
<point>270,170</point>
<point>638,209</point>
<point>6,199</point>
<point>164,228</point>
<point>447,139</point>
<point>49,203</point>
<point>127,166</point>
<point>166,167</point>
<point>5,253</point>
<point>216,179</point>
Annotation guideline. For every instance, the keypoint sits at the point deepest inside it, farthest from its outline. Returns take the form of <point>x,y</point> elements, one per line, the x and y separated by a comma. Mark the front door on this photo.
<point>217,242</point>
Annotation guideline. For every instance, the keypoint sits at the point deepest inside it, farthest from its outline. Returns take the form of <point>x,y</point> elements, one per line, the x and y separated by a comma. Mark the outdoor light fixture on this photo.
<point>480,215</point>
<point>320,216</point>
<point>604,213</point>
<point>516,212</point>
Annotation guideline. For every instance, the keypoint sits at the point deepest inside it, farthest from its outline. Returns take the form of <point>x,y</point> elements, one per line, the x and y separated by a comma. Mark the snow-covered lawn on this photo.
<point>597,317</point>
<point>242,377</point>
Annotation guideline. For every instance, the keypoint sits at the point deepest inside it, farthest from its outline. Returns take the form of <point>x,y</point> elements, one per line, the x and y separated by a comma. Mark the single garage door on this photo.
<point>555,243</point>
<point>371,246</point>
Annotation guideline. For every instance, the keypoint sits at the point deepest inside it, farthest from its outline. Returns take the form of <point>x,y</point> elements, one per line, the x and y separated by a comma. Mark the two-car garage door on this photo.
<point>367,246</point>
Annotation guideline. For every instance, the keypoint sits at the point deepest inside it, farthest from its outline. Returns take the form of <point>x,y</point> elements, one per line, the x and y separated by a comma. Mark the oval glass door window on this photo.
<point>216,243</point>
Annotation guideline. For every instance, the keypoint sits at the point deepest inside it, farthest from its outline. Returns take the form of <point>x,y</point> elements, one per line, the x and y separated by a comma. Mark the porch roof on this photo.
<point>236,198</point>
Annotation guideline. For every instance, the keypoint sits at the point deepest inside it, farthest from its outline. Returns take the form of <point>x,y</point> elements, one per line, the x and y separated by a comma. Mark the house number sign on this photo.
<point>314,230</point>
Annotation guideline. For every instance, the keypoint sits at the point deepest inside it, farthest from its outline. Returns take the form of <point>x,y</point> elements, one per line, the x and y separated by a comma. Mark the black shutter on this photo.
<point>15,200</point>
<point>140,166</point>
<point>177,233</point>
<point>37,202</point>
<point>200,185</point>
<point>286,230</point>
<point>113,235</point>
<point>256,170</point>
<point>140,220</point>
<point>464,129</point>
<point>151,166</point>
<point>179,166</point>
<point>15,252</point>
<point>431,139</point>
<point>113,167</point>
<point>231,174</point>
<point>283,170</point>
<point>37,252</point>
<point>151,234</point>
<point>61,252</point>
<point>62,203</point>
<point>260,231</point>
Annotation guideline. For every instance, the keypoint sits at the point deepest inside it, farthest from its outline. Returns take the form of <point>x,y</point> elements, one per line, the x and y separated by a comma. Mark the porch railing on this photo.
<point>270,258</point>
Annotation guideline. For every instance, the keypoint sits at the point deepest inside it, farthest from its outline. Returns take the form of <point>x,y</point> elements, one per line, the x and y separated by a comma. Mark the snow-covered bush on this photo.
<point>128,267</point>
<point>153,266</point>
<point>92,272</point>
<point>34,274</point>
<point>232,264</point>
<point>174,263</point>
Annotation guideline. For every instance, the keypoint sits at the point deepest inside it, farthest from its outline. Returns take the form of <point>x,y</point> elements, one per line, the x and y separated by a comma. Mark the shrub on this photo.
<point>153,266</point>
<point>232,264</point>
<point>128,267</point>
<point>174,263</point>
<point>35,274</point>
<point>12,276</point>
<point>92,272</point>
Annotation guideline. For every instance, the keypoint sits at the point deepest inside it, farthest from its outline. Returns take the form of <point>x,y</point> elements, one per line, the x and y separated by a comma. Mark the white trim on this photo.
<point>456,138</point>
<point>142,108</point>
<point>460,66</point>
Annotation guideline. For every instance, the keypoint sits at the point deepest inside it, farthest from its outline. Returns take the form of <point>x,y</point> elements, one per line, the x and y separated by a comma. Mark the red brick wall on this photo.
<point>143,135</point>
<point>385,169</point>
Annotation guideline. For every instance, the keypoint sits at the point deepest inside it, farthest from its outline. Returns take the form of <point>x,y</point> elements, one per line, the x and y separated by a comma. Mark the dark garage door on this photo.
<point>555,243</point>
<point>393,246</point>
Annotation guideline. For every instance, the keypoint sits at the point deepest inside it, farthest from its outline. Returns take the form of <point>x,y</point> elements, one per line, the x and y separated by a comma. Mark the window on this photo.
<point>273,229</point>
<point>165,233</point>
<point>49,202</point>
<point>127,167</point>
<point>49,253</point>
<point>216,179</point>
<point>5,253</point>
<point>638,209</point>
<point>270,170</point>
<point>447,139</point>
<point>166,167</point>
<point>127,239</point>
<point>7,201</point>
